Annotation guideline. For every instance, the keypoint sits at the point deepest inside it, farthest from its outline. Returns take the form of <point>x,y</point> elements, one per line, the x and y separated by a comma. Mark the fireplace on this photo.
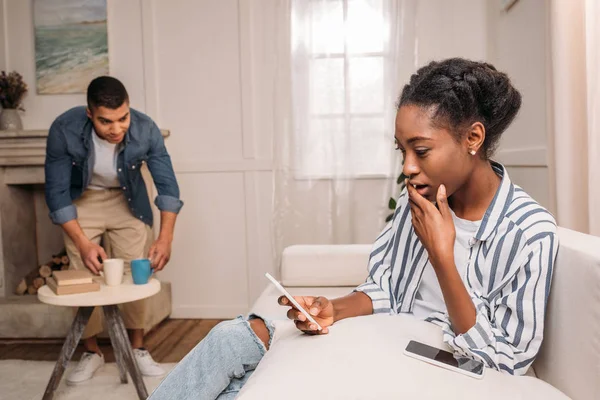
<point>27,235</point>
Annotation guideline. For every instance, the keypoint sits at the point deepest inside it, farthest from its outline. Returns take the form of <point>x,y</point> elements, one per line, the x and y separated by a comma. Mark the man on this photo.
<point>94,188</point>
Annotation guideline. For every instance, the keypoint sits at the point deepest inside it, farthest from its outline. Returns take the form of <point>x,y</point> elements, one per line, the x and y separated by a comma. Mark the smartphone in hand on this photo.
<point>292,300</point>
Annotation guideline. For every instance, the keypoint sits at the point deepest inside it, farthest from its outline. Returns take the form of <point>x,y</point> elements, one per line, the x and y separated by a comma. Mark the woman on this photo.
<point>467,249</point>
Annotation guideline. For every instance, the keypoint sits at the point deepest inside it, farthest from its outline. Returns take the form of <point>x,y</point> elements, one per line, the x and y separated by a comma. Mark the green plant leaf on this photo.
<point>392,203</point>
<point>401,179</point>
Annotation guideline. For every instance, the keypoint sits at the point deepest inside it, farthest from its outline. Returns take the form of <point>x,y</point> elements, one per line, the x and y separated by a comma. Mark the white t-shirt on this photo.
<point>104,175</point>
<point>429,298</point>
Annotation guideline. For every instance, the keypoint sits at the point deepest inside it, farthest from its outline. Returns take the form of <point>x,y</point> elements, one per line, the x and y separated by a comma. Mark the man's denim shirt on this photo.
<point>70,163</point>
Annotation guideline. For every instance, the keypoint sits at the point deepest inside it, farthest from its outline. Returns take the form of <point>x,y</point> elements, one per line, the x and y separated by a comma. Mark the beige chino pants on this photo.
<point>105,213</point>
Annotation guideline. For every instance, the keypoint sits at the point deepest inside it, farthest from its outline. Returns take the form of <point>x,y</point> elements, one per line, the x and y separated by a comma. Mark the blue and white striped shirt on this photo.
<point>508,276</point>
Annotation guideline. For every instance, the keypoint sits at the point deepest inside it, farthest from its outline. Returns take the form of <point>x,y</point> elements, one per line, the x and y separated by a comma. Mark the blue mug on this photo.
<point>141,271</point>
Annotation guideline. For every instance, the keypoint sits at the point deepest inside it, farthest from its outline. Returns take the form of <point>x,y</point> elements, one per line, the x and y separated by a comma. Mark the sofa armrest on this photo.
<point>324,265</point>
<point>569,358</point>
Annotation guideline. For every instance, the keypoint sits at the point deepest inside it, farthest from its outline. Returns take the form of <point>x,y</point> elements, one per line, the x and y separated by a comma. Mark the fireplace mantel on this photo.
<point>22,155</point>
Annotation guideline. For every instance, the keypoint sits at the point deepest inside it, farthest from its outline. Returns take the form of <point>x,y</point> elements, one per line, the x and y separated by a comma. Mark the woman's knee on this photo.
<point>260,329</point>
<point>232,331</point>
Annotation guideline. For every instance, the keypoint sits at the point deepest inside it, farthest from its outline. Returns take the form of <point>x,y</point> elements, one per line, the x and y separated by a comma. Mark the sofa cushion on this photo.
<point>362,358</point>
<point>324,265</point>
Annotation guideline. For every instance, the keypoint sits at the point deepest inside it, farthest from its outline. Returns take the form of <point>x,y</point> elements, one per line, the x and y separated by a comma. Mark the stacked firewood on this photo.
<point>37,277</point>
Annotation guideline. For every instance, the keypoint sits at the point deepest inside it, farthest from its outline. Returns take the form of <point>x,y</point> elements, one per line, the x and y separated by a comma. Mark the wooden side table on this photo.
<point>109,297</point>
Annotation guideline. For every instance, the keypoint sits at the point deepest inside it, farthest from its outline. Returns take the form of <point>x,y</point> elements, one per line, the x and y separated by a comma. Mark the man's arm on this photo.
<point>89,251</point>
<point>57,170</point>
<point>161,169</point>
<point>167,201</point>
<point>160,252</point>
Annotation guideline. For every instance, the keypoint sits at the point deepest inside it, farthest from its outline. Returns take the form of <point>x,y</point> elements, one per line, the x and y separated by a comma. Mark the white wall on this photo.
<point>518,44</point>
<point>204,69</point>
<point>199,56</point>
<point>453,28</point>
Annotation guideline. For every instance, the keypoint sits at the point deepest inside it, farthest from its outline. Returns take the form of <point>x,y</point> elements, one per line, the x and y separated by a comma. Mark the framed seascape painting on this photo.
<point>71,44</point>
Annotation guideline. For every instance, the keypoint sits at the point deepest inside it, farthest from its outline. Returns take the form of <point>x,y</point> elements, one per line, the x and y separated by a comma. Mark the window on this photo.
<point>343,97</point>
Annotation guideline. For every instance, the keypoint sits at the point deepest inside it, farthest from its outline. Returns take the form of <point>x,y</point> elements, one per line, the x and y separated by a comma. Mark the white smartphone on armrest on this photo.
<point>292,300</point>
<point>442,358</point>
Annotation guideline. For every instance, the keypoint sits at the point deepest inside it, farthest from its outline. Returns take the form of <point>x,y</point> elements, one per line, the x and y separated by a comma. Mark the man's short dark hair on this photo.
<point>106,91</point>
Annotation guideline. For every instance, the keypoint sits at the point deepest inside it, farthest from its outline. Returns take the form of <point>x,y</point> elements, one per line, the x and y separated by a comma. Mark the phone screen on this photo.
<point>433,353</point>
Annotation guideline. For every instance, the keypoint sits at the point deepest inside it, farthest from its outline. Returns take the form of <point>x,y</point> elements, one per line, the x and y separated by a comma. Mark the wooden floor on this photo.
<point>169,342</point>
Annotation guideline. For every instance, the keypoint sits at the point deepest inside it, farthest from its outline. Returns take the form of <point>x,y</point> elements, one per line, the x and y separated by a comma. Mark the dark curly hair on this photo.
<point>106,91</point>
<point>461,92</point>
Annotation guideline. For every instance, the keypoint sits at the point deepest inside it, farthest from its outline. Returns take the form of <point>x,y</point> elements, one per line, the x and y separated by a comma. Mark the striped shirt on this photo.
<point>508,276</point>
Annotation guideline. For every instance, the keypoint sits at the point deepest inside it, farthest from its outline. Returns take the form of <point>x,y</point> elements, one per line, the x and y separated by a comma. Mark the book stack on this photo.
<point>72,282</point>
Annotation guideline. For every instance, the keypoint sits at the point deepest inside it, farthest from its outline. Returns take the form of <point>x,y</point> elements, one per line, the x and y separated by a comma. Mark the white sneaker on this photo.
<point>88,365</point>
<point>147,365</point>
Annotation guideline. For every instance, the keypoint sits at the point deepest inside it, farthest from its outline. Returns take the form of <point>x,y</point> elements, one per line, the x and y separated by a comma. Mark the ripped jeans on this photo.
<point>218,366</point>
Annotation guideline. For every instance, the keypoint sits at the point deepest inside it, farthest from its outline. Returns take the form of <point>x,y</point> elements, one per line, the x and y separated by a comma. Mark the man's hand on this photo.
<point>320,308</point>
<point>434,227</point>
<point>92,256</point>
<point>160,253</point>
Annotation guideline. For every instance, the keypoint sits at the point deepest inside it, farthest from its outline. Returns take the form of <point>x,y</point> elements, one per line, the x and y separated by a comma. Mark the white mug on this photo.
<point>113,271</point>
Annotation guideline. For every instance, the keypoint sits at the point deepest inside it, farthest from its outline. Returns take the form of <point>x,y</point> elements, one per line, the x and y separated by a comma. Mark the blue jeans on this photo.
<point>218,366</point>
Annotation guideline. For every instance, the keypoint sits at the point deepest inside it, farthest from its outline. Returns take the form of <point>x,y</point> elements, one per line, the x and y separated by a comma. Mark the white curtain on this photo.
<point>575,29</point>
<point>341,64</point>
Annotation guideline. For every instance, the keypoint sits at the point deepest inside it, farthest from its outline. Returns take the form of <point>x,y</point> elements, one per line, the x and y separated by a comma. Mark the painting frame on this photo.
<point>71,44</point>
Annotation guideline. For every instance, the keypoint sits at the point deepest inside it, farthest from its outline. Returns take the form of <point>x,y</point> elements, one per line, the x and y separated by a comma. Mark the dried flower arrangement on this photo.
<point>12,90</point>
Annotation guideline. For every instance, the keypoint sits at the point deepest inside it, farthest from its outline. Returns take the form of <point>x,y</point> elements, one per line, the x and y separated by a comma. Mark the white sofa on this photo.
<point>361,358</point>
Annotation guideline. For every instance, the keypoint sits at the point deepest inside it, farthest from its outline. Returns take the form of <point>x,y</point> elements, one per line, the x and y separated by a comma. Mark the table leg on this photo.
<point>119,358</point>
<point>117,327</point>
<point>71,341</point>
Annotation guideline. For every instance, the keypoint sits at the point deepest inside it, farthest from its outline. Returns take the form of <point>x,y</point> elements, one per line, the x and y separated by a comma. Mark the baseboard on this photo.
<point>208,312</point>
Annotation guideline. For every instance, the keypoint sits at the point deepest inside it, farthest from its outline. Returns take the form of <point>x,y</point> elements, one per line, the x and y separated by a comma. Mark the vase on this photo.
<point>10,120</point>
